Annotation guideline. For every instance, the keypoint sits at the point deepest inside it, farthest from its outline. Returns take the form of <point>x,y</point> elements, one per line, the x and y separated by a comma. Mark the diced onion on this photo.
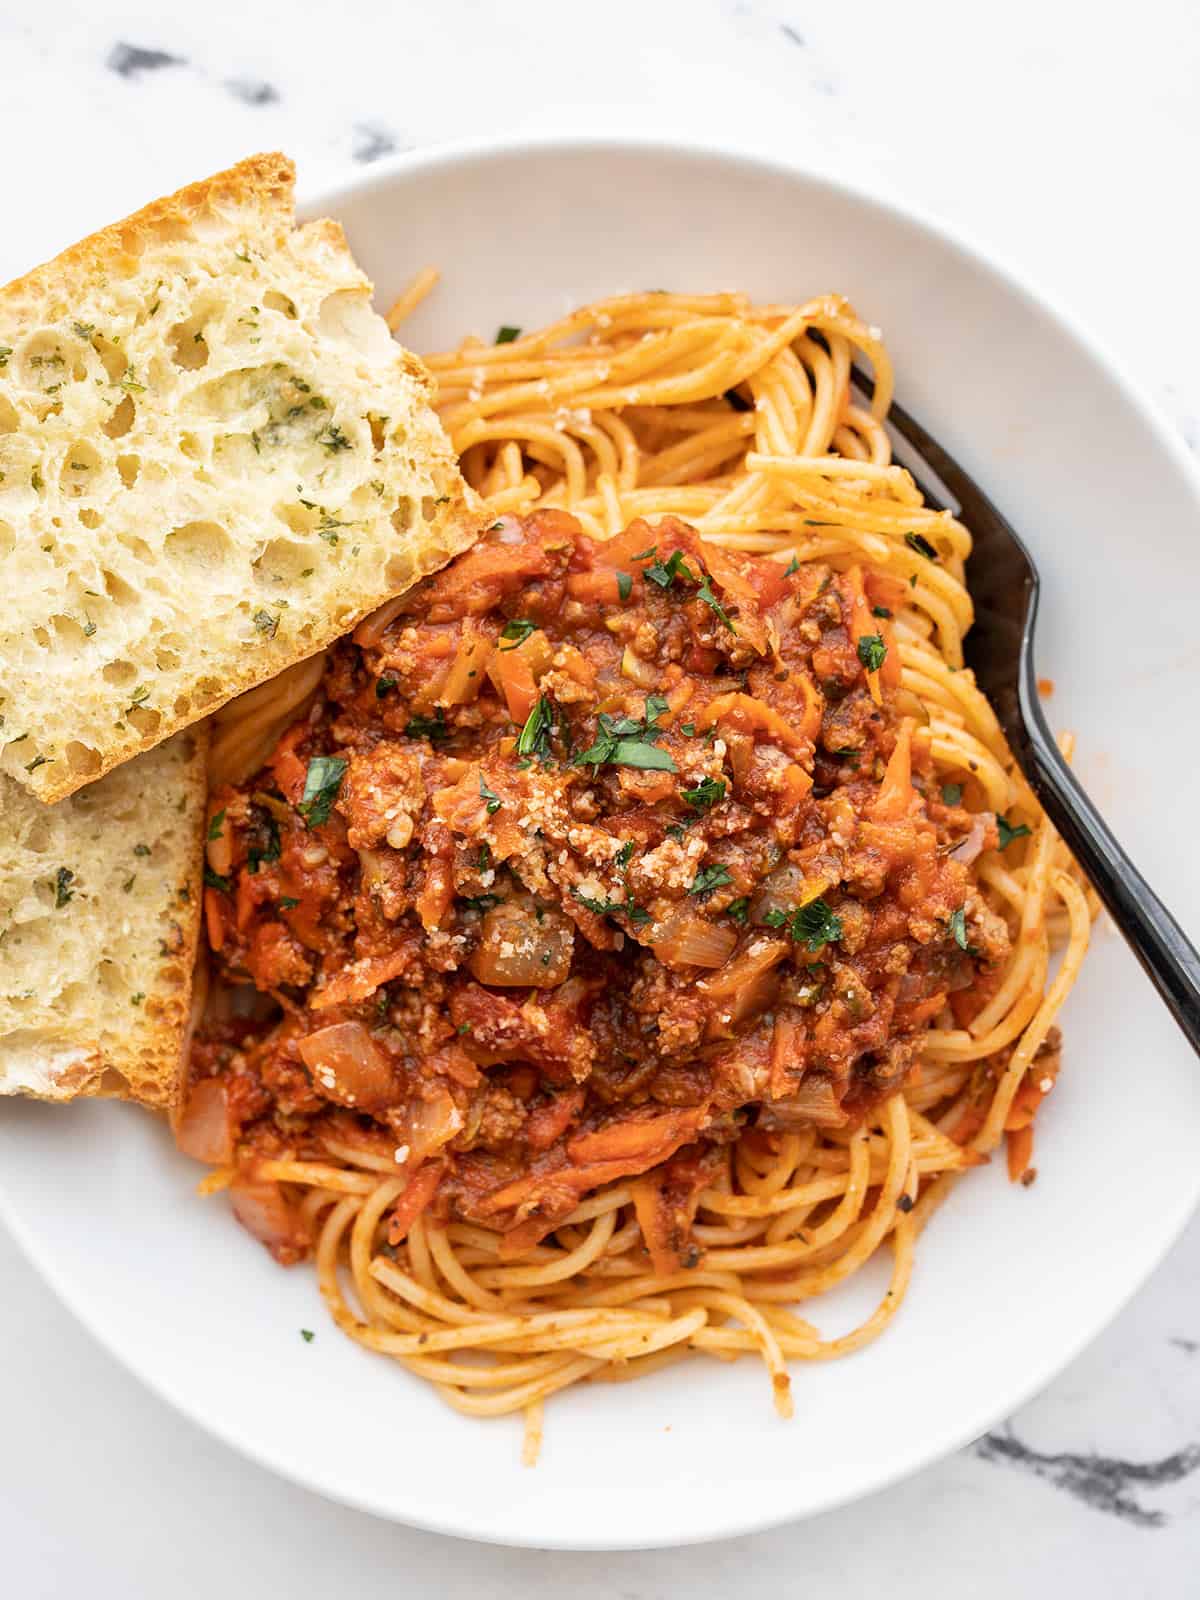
<point>203,1131</point>
<point>686,940</point>
<point>348,1066</point>
<point>519,949</point>
<point>263,1211</point>
<point>813,1102</point>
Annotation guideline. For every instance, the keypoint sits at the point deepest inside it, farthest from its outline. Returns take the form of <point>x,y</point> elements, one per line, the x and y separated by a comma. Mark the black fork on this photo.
<point>1004,585</point>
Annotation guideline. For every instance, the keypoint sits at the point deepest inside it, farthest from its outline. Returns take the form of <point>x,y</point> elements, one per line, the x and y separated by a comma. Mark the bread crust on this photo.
<point>67,742</point>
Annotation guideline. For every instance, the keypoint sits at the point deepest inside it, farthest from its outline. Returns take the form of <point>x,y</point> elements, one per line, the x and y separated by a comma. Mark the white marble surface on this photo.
<point>1065,142</point>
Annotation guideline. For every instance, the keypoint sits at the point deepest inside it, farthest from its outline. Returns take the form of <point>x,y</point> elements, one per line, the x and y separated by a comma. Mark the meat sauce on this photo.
<point>588,857</point>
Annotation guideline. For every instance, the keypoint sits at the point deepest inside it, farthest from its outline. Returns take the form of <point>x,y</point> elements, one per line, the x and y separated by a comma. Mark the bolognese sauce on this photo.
<point>587,859</point>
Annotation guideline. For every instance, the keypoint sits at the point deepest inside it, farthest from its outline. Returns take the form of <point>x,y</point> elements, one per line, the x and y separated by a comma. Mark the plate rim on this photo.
<point>326,198</point>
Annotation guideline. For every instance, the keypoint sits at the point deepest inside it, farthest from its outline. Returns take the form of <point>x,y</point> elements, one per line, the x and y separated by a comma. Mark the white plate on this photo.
<point>1010,1283</point>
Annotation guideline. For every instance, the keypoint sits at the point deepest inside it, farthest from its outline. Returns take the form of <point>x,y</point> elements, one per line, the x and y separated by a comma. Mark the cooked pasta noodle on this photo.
<point>739,419</point>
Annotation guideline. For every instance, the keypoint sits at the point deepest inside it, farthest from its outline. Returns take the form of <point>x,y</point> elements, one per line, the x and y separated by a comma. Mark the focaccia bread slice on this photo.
<point>100,901</point>
<point>214,459</point>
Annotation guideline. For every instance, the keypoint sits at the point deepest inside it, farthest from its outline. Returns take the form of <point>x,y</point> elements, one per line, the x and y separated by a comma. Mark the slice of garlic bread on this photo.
<point>100,901</point>
<point>214,459</point>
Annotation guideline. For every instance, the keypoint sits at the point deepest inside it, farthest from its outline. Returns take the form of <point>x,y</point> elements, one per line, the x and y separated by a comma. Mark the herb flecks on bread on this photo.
<point>214,459</point>
<point>100,900</point>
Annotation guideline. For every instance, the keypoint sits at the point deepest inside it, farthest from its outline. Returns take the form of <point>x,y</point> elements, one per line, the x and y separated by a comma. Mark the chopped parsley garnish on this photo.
<point>38,761</point>
<point>266,623</point>
<point>89,627</point>
<point>688,729</point>
<point>645,555</point>
<point>622,742</point>
<point>287,902</point>
<point>507,334</point>
<point>480,902</point>
<point>625,854</point>
<point>708,879</point>
<point>432,728</point>
<point>463,1027</point>
<point>880,611</point>
<point>738,909</point>
<point>85,330</point>
<point>322,782</point>
<point>385,686</point>
<point>334,439</point>
<point>144,849</point>
<point>958,927</point>
<point>1008,833</point>
<point>919,543</point>
<point>872,651</point>
<point>63,879</point>
<point>952,793</point>
<point>307,1335</point>
<point>624,585</point>
<point>792,566</point>
<point>215,828</point>
<point>705,593</point>
<point>675,832</point>
<point>665,573</point>
<point>494,801</point>
<point>608,908</point>
<point>136,999</point>
<point>139,696</point>
<point>214,880</point>
<point>516,632</point>
<point>814,925</point>
<point>705,795</point>
<point>534,738</point>
<point>738,401</point>
<point>266,831</point>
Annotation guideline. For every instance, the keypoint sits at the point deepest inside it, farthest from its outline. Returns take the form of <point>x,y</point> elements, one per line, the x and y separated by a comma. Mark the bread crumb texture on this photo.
<point>214,459</point>
<point>100,901</point>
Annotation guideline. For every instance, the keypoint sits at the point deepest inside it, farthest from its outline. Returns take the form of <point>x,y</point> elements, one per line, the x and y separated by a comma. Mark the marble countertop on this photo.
<point>1056,138</point>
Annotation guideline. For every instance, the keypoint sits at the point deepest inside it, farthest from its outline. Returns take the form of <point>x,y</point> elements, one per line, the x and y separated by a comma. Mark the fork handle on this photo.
<point>1166,953</point>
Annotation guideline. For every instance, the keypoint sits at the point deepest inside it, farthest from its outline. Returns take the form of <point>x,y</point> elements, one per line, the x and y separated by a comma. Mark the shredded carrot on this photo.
<point>1020,1150</point>
<point>896,792</point>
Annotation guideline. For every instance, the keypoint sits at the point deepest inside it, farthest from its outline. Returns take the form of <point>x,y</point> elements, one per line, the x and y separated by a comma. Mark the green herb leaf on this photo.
<point>266,623</point>
<point>625,854</point>
<point>613,908</point>
<point>918,542</point>
<point>266,830</point>
<point>63,879</point>
<point>738,909</point>
<point>872,651</point>
<point>507,334</point>
<point>708,879</point>
<point>307,1335</point>
<point>516,632</point>
<point>952,793</point>
<point>707,793</point>
<point>287,902</point>
<point>665,574</point>
<point>534,738</point>
<point>334,440</point>
<point>432,728</point>
<point>644,555</point>
<point>814,925</point>
<point>622,742</point>
<point>322,782</point>
<point>494,801</point>
<point>215,829</point>
<point>385,686</point>
<point>705,593</point>
<point>958,927</point>
<point>792,566</point>
<point>1008,833</point>
<point>880,611</point>
<point>214,880</point>
<point>624,585</point>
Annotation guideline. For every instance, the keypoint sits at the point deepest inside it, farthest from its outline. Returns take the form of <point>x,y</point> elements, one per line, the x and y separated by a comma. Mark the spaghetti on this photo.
<point>737,419</point>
